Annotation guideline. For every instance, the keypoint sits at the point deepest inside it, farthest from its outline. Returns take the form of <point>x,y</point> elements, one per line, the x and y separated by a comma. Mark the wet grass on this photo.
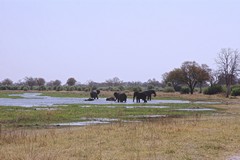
<point>23,116</point>
<point>6,94</point>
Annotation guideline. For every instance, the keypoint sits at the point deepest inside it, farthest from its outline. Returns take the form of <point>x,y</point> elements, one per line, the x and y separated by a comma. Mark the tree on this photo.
<point>153,82</point>
<point>228,65</point>
<point>175,77</point>
<point>71,81</point>
<point>114,81</point>
<point>91,85</point>
<point>40,81</point>
<point>190,71</point>
<point>57,82</point>
<point>7,82</point>
<point>203,75</point>
<point>30,82</point>
<point>214,78</point>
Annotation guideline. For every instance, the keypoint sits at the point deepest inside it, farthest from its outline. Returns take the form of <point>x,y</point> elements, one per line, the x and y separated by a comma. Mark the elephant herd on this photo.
<point>122,97</point>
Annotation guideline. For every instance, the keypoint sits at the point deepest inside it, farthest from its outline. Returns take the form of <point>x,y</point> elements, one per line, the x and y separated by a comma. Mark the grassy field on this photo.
<point>25,133</point>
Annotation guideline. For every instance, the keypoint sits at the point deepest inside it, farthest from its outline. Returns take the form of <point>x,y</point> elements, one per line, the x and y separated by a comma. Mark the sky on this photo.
<point>97,40</point>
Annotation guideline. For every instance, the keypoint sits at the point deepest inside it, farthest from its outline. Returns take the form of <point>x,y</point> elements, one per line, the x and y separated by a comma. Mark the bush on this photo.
<point>177,88</point>
<point>59,88</point>
<point>121,88</point>
<point>235,92</point>
<point>185,90</point>
<point>213,90</point>
<point>149,87</point>
<point>25,88</point>
<point>137,89</point>
<point>168,89</point>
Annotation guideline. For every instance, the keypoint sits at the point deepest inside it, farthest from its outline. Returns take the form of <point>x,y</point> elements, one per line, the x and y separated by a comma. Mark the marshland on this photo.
<point>126,131</point>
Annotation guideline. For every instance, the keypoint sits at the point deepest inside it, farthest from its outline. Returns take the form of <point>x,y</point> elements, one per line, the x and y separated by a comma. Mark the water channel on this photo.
<point>37,100</point>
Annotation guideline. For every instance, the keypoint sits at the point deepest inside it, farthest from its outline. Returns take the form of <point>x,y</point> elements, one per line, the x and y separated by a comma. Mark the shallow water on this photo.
<point>196,109</point>
<point>92,121</point>
<point>85,123</point>
<point>35,99</point>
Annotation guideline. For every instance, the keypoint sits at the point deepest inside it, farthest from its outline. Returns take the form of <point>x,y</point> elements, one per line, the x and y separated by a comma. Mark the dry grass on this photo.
<point>215,137</point>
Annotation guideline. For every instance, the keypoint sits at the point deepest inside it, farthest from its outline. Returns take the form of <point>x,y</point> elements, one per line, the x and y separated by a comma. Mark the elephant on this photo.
<point>139,95</point>
<point>149,94</point>
<point>94,94</point>
<point>120,97</point>
<point>110,99</point>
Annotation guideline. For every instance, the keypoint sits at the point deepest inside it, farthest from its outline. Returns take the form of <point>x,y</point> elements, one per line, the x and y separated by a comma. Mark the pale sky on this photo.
<point>134,40</point>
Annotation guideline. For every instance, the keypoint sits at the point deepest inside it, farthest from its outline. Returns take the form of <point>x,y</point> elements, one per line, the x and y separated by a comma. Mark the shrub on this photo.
<point>185,90</point>
<point>137,89</point>
<point>177,88</point>
<point>149,87</point>
<point>42,88</point>
<point>59,88</point>
<point>121,88</point>
<point>235,92</point>
<point>168,89</point>
<point>213,90</point>
<point>25,88</point>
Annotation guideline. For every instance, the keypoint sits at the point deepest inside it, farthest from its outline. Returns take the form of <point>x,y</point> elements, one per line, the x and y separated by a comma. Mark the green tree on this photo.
<point>175,77</point>
<point>71,81</point>
<point>204,75</point>
<point>190,73</point>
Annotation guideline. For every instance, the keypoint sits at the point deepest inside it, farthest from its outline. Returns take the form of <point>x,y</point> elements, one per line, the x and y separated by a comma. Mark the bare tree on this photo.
<point>30,82</point>
<point>40,81</point>
<point>228,65</point>
<point>7,82</point>
<point>114,81</point>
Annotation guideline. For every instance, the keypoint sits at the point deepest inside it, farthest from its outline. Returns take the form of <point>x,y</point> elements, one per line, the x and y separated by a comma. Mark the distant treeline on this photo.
<point>114,84</point>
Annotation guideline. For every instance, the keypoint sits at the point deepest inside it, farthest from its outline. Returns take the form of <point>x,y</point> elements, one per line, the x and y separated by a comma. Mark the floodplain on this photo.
<point>158,130</point>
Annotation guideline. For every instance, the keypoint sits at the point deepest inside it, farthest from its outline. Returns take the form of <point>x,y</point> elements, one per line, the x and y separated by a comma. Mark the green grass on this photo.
<point>22,116</point>
<point>6,95</point>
